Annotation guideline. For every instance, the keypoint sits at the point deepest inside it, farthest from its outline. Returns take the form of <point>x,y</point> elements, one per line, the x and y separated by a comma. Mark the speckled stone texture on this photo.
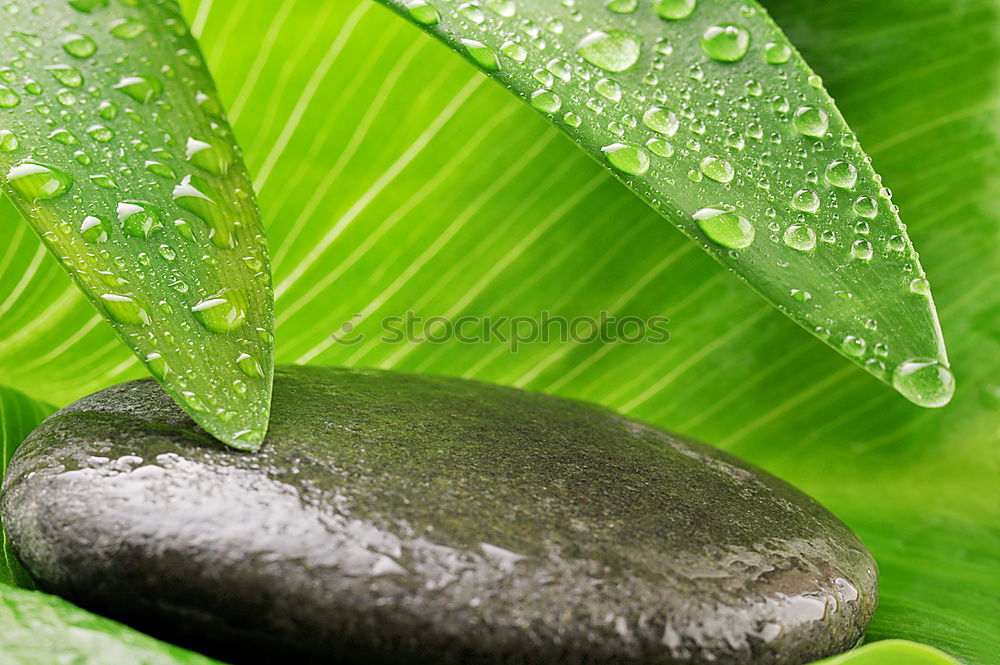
<point>394,518</point>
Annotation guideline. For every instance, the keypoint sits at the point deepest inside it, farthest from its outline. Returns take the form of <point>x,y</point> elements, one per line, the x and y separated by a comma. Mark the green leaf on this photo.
<point>19,414</point>
<point>704,110</point>
<point>39,629</point>
<point>892,652</point>
<point>394,177</point>
<point>114,147</point>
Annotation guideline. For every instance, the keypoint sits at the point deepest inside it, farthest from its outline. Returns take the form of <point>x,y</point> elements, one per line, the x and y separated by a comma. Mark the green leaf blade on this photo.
<point>706,111</point>
<point>116,150</point>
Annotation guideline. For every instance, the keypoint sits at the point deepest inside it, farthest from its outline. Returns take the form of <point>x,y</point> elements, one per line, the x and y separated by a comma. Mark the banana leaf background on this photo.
<point>393,176</point>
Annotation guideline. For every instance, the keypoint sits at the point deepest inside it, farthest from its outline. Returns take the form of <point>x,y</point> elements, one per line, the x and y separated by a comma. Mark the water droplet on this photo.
<point>249,366</point>
<point>854,346</point>
<point>717,169</point>
<point>627,158</point>
<point>67,75</point>
<point>926,383</point>
<point>37,182</point>
<point>659,147</point>
<point>572,119</point>
<point>87,6</point>
<point>505,8</point>
<point>674,10</point>
<point>124,310</point>
<point>546,101</point>
<point>195,195</point>
<point>811,121</point>
<point>79,46</point>
<point>920,286</point>
<point>472,12</point>
<point>661,120</point>
<point>805,200</point>
<point>212,155</point>
<point>422,12</point>
<point>8,98</point>
<point>800,237</point>
<point>622,6</point>
<point>138,218</point>
<point>866,206</point>
<point>611,50</point>
<point>127,28</point>
<point>156,365</point>
<point>8,141</point>
<point>841,174</point>
<point>608,89</point>
<point>725,228</point>
<point>142,89</point>
<point>798,295</point>
<point>514,51</point>
<point>160,169</point>
<point>726,42</point>
<point>220,314</point>
<point>101,133</point>
<point>776,53</point>
<point>862,250</point>
<point>94,229</point>
<point>482,54</point>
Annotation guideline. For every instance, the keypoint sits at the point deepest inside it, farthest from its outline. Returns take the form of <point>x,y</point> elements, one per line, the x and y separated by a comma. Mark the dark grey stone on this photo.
<point>393,518</point>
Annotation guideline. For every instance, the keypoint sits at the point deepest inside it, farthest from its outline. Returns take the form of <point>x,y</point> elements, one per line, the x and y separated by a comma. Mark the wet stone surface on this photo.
<point>393,518</point>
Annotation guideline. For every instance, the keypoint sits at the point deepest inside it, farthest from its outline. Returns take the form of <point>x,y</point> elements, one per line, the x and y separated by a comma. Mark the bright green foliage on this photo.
<point>19,414</point>
<point>712,118</point>
<point>394,176</point>
<point>892,652</point>
<point>114,147</point>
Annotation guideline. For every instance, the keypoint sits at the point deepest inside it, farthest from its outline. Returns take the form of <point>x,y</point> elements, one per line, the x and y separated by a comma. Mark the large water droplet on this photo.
<point>926,383</point>
<point>195,195</point>
<point>717,169</point>
<point>866,206</point>
<point>8,141</point>
<point>37,182</point>
<point>725,228</point>
<point>627,158</point>
<point>482,54</point>
<point>674,10</point>
<point>726,42</point>
<point>805,200</point>
<point>811,121</point>
<point>854,346</point>
<point>94,229</point>
<point>8,98</point>
<point>87,6</point>
<point>622,6</point>
<point>611,50</point>
<point>124,310</point>
<point>546,101</point>
<point>142,89</point>
<point>220,314</point>
<point>422,12</point>
<point>800,237</point>
<point>249,366</point>
<point>661,120</point>
<point>138,218</point>
<point>79,46</point>
<point>776,53</point>
<point>212,155</point>
<point>841,174</point>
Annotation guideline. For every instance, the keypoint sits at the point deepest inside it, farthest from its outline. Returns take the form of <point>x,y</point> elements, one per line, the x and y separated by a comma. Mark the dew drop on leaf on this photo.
<point>674,10</point>
<point>800,237</point>
<point>93,229</point>
<point>79,46</point>
<point>661,120</point>
<point>920,286</point>
<point>866,206</point>
<point>142,89</point>
<point>811,121</point>
<point>805,200</point>
<point>611,50</point>
<point>862,250</point>
<point>37,182</point>
<point>220,314</point>
<point>212,155</point>
<point>854,346</point>
<point>926,383</point>
<point>481,54</point>
<point>157,365</point>
<point>249,366</point>
<point>776,53</point>
<point>627,158</point>
<point>8,141</point>
<point>8,98</point>
<point>546,101</point>
<point>422,12</point>
<point>841,174</point>
<point>717,169</point>
<point>138,218</point>
<point>726,42</point>
<point>725,228</point>
<point>622,6</point>
<point>124,310</point>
